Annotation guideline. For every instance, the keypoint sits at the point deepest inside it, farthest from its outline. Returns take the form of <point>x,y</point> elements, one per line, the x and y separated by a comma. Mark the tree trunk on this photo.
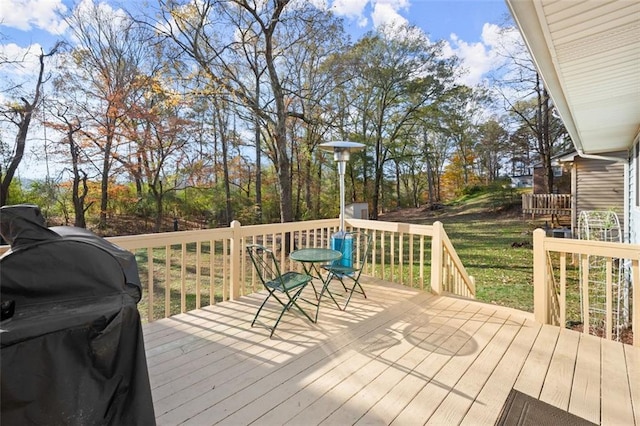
<point>78,199</point>
<point>159,211</point>
<point>157,192</point>
<point>398,187</point>
<point>104,183</point>
<point>546,136</point>
<point>377,179</point>
<point>222,130</point>
<point>307,186</point>
<point>76,195</point>
<point>25,113</point>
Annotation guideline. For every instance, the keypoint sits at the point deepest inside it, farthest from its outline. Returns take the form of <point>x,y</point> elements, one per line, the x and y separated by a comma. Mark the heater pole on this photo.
<point>341,153</point>
<point>342,165</point>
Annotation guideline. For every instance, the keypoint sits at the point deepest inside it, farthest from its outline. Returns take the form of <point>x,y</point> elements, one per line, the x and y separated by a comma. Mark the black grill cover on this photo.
<point>72,353</point>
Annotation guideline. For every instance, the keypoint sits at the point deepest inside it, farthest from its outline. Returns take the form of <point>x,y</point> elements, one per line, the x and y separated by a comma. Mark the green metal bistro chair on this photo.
<point>285,288</point>
<point>355,251</point>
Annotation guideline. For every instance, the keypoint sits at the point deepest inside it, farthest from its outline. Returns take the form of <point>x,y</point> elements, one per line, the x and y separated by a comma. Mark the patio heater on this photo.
<point>341,153</point>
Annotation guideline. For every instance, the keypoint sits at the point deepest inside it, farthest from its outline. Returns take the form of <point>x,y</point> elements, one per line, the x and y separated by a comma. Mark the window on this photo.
<point>557,171</point>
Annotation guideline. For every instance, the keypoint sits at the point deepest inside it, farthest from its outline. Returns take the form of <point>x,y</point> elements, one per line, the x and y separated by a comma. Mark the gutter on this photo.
<point>582,154</point>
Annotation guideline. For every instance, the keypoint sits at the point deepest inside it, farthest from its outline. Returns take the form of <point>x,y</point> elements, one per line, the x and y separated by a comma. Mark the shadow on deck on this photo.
<point>401,356</point>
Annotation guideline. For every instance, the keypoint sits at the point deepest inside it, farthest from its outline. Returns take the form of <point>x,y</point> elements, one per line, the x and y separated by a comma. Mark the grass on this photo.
<point>498,254</point>
<point>490,236</point>
<point>191,285</point>
<point>493,240</point>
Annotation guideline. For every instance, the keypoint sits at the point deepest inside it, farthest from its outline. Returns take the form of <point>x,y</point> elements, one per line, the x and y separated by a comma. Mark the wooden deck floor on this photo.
<point>400,357</point>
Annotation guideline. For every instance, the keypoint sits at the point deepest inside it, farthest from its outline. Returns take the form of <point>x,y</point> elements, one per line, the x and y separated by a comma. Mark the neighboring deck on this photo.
<point>399,357</point>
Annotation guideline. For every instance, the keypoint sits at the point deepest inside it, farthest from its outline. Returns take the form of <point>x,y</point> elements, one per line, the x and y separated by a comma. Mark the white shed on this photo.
<point>357,211</point>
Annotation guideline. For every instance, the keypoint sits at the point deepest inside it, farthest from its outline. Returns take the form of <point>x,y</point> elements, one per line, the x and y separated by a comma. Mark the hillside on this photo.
<point>483,206</point>
<point>493,241</point>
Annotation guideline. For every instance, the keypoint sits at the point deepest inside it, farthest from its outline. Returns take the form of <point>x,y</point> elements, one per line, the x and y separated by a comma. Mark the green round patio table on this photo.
<point>312,260</point>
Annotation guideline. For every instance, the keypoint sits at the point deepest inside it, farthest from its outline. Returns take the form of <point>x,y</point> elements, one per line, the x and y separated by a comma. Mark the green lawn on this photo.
<point>498,254</point>
<point>493,241</point>
<point>491,237</point>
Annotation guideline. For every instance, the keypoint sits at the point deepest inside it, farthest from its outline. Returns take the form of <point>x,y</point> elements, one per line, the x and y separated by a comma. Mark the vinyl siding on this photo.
<point>600,186</point>
<point>634,194</point>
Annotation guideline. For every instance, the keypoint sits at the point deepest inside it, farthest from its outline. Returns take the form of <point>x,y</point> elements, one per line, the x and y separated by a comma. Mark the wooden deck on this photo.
<point>400,357</point>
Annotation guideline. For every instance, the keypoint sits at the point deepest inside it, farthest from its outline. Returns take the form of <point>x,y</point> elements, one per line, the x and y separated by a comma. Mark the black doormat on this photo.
<point>522,410</point>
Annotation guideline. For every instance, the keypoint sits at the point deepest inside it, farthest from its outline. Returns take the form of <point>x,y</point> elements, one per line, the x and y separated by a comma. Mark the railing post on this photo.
<point>540,282</point>
<point>635,280</point>
<point>235,260</point>
<point>436,258</point>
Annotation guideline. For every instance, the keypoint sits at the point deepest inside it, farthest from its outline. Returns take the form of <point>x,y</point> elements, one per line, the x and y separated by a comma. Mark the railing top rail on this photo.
<point>131,242</point>
<point>456,259</point>
<point>377,225</point>
<point>593,248</point>
<point>270,228</point>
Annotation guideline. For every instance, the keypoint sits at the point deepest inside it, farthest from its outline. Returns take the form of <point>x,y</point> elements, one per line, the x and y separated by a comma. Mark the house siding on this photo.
<point>561,184</point>
<point>600,186</point>
<point>634,193</point>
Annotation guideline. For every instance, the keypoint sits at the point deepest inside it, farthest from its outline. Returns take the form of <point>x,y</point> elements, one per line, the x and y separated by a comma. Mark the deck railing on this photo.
<point>187,270</point>
<point>546,204</point>
<point>587,283</point>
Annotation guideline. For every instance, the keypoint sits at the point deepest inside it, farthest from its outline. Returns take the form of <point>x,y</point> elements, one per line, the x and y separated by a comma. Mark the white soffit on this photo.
<point>588,53</point>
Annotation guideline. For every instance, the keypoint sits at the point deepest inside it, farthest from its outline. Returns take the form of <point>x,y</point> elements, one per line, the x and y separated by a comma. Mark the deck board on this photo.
<point>451,339</point>
<point>559,379</point>
<point>456,404</point>
<point>414,353</point>
<point>486,408</point>
<point>444,382</point>
<point>616,395</point>
<point>372,361</point>
<point>585,393</point>
<point>531,377</point>
<point>401,356</point>
<point>633,370</point>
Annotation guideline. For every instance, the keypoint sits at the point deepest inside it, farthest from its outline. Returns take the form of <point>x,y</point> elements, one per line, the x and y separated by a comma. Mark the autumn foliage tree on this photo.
<point>103,66</point>
<point>176,111</point>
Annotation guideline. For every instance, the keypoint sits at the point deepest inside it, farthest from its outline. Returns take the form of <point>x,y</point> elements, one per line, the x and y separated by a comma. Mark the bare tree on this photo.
<point>396,77</point>
<point>491,149</point>
<point>528,102</point>
<point>20,114</point>
<point>215,34</point>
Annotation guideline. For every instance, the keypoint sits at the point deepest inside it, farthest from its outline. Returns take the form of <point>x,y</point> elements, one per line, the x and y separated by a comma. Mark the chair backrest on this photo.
<point>265,263</point>
<point>355,249</point>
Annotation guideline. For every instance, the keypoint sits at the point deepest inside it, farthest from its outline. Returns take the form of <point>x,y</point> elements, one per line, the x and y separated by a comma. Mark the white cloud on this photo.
<point>383,13</point>
<point>386,14</point>
<point>491,35</point>
<point>20,61</point>
<point>478,58</point>
<point>349,8</point>
<point>89,8</point>
<point>27,14</point>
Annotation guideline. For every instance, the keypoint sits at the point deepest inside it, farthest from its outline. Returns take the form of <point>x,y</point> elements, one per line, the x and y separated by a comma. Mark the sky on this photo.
<point>468,27</point>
